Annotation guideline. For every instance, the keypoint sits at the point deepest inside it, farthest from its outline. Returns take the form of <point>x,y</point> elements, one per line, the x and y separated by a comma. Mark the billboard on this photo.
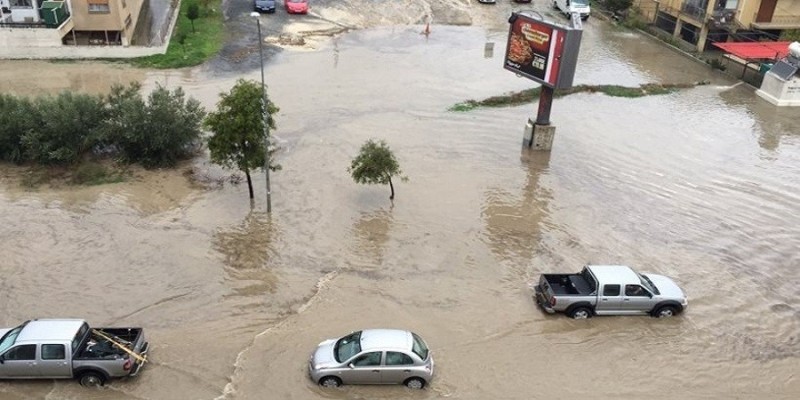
<point>542,51</point>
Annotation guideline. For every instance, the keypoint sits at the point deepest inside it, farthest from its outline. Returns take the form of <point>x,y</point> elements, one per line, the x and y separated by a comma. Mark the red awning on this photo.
<point>756,50</point>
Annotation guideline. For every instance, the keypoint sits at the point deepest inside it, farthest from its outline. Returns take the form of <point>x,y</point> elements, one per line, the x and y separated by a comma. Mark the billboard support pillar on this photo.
<point>539,134</point>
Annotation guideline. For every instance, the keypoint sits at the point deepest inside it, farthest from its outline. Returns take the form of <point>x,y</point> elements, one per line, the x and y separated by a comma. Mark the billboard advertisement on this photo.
<point>542,51</point>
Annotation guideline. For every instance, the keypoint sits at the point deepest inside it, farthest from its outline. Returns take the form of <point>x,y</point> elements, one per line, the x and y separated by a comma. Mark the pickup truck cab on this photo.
<point>69,348</point>
<point>609,290</point>
<point>569,7</point>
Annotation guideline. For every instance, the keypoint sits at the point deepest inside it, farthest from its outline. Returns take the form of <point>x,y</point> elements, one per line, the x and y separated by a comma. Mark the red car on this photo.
<point>296,6</point>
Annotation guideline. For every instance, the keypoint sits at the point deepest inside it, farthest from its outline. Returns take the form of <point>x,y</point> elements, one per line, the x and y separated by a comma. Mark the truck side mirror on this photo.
<point>351,365</point>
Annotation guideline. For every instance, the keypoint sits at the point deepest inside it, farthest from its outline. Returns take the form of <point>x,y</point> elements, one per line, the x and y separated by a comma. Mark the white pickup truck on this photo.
<point>69,348</point>
<point>609,290</point>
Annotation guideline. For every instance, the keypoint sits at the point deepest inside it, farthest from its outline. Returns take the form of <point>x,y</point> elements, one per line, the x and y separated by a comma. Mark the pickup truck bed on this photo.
<point>568,284</point>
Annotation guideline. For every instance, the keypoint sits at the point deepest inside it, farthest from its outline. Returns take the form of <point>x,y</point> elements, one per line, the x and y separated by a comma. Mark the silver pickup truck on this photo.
<point>609,290</point>
<point>69,348</point>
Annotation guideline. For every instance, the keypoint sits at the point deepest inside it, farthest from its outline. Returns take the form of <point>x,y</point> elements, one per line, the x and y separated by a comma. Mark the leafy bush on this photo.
<point>618,6</point>
<point>16,118</point>
<point>67,126</point>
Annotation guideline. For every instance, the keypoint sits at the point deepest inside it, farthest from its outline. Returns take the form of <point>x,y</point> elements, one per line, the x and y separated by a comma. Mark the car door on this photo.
<point>363,368</point>
<point>610,299</point>
<point>397,367</point>
<point>19,362</point>
<point>637,298</point>
<point>53,362</point>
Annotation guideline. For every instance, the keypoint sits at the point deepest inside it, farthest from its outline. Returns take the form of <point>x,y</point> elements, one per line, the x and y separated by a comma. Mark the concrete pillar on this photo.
<point>538,137</point>
<point>677,32</point>
<point>701,41</point>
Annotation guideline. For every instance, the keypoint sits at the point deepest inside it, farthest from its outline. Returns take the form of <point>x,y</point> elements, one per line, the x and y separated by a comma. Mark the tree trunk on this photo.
<point>391,187</point>
<point>249,182</point>
<point>192,25</point>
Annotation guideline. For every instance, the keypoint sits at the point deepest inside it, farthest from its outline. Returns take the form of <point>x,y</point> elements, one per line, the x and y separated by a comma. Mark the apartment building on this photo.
<point>701,22</point>
<point>40,23</point>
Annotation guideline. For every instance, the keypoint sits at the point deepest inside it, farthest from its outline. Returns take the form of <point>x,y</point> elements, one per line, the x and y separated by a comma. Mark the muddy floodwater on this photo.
<point>700,185</point>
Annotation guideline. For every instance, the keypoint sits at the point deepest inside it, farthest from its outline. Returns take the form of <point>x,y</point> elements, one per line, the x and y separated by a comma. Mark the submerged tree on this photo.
<point>238,130</point>
<point>193,12</point>
<point>375,164</point>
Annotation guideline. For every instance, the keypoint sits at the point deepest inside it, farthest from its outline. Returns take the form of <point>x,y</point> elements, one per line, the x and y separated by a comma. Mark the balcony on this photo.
<point>778,22</point>
<point>695,9</point>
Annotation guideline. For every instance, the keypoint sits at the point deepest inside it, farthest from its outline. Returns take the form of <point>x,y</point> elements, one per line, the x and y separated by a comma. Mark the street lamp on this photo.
<point>264,109</point>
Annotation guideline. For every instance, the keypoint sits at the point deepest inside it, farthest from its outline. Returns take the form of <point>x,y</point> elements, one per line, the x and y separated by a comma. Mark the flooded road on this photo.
<point>700,185</point>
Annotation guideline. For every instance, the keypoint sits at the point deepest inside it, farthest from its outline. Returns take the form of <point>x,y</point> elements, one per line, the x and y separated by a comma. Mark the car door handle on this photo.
<point>408,371</point>
<point>626,300</point>
<point>376,370</point>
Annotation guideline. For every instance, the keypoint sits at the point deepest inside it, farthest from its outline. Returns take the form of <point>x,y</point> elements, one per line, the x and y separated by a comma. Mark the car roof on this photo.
<point>381,339</point>
<point>50,329</point>
<point>614,274</point>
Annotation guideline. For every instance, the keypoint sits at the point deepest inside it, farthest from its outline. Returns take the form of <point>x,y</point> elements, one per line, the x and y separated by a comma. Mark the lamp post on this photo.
<point>264,108</point>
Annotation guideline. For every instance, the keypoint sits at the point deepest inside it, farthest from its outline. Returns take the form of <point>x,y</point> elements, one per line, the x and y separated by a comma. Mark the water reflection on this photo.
<point>513,221</point>
<point>247,249</point>
<point>773,124</point>
<point>372,233</point>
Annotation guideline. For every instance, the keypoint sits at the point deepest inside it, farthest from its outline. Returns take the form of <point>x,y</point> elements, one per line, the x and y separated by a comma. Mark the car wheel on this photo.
<point>665,312</point>
<point>92,379</point>
<point>415,383</point>
<point>581,313</point>
<point>555,6</point>
<point>330,381</point>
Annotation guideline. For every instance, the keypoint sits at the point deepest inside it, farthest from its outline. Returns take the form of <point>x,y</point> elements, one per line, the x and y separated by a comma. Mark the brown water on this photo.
<point>701,185</point>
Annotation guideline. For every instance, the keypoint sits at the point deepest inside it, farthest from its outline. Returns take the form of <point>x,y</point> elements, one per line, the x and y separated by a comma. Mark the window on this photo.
<point>53,352</point>
<point>419,347</point>
<point>21,4</point>
<point>98,7</point>
<point>24,352</point>
<point>636,291</point>
<point>347,347</point>
<point>611,290</point>
<point>368,360</point>
<point>393,358</point>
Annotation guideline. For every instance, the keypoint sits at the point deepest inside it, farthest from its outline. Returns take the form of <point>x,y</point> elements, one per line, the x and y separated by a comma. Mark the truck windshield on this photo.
<point>347,347</point>
<point>646,282</point>
<point>9,338</point>
<point>589,278</point>
<point>79,336</point>
<point>580,2</point>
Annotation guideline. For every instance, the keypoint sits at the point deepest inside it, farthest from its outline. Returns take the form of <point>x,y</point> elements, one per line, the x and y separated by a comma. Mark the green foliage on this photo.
<point>91,173</point>
<point>375,164</point>
<point>67,126</point>
<point>156,133</point>
<point>238,128</point>
<point>192,12</point>
<point>790,35</point>
<point>618,6</point>
<point>16,118</point>
<point>715,63</point>
<point>203,44</point>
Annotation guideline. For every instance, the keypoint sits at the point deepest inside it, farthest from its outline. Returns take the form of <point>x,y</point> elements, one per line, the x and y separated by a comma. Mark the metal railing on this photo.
<point>779,19</point>
<point>695,9</point>
<point>30,25</point>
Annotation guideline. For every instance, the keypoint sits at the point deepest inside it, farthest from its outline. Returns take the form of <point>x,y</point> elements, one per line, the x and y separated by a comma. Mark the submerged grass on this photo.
<point>531,95</point>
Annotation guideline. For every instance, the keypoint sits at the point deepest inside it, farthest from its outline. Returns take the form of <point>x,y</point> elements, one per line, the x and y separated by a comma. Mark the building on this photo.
<point>701,22</point>
<point>39,23</point>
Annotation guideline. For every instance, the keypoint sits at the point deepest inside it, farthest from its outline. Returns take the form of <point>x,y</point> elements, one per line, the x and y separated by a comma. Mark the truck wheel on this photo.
<point>92,379</point>
<point>580,313</point>
<point>665,312</point>
<point>415,383</point>
<point>330,381</point>
<point>555,6</point>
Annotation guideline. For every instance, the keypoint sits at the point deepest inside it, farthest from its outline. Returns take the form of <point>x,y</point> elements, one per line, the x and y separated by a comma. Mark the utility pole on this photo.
<point>265,109</point>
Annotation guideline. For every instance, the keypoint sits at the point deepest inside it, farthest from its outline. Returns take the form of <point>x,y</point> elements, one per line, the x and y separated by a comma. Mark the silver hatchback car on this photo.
<point>373,356</point>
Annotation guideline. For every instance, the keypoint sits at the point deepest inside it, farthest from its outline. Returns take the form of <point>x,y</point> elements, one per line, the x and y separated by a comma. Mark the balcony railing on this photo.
<point>779,20</point>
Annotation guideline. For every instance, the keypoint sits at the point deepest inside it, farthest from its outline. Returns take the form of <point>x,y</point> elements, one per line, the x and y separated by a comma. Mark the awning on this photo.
<point>756,50</point>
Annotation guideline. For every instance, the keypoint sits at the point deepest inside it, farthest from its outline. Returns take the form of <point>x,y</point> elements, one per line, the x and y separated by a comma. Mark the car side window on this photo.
<point>24,352</point>
<point>368,360</point>
<point>394,358</point>
<point>611,290</point>
<point>635,290</point>
<point>53,352</point>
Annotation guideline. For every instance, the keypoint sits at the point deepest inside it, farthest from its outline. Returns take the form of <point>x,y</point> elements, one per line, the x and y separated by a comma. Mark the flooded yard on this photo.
<point>700,185</point>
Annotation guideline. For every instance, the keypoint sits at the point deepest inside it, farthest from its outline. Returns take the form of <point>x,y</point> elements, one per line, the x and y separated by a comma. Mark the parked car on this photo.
<point>373,356</point>
<point>264,6</point>
<point>567,7</point>
<point>296,6</point>
<point>69,348</point>
<point>609,290</point>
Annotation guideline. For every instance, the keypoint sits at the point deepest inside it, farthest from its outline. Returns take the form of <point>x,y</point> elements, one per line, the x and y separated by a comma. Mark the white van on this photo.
<point>567,7</point>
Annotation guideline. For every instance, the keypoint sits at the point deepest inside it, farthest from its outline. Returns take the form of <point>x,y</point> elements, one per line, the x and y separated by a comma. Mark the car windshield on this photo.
<point>297,1</point>
<point>646,282</point>
<point>347,347</point>
<point>419,347</point>
<point>9,338</point>
<point>580,2</point>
